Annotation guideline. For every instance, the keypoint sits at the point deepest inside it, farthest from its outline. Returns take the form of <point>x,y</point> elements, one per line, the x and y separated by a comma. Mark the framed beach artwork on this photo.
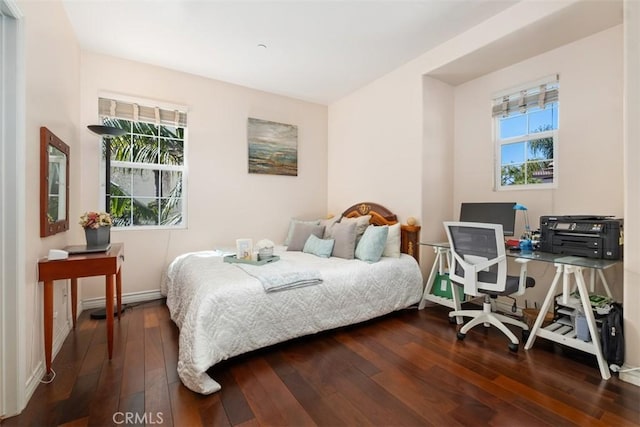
<point>273,147</point>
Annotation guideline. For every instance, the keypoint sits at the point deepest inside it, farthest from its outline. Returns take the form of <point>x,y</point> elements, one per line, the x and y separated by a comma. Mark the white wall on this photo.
<point>52,100</point>
<point>375,148</point>
<point>225,202</point>
<point>590,143</point>
<point>438,162</point>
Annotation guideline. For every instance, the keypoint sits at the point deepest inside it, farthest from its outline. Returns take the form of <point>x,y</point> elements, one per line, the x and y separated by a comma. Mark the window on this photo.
<point>147,164</point>
<point>526,125</point>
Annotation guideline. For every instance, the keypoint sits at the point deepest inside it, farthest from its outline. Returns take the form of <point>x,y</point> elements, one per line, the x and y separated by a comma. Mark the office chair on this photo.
<point>479,264</point>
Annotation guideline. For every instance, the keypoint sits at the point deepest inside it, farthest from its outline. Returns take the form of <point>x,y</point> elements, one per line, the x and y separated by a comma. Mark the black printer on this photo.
<point>582,235</point>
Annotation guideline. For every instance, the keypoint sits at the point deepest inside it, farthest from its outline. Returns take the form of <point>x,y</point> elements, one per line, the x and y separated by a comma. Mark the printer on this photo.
<point>582,235</point>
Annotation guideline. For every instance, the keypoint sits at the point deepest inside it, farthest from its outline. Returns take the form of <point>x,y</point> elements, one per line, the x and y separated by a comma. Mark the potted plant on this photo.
<point>97,228</point>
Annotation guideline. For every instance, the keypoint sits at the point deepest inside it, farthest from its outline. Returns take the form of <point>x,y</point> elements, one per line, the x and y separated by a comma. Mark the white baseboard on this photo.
<point>33,381</point>
<point>632,377</point>
<point>130,298</point>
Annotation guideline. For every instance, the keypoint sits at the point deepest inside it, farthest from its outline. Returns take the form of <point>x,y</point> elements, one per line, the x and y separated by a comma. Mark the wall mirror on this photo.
<point>54,184</point>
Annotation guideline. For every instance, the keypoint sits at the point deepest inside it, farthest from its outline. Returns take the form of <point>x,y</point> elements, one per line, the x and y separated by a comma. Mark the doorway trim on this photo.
<point>12,210</point>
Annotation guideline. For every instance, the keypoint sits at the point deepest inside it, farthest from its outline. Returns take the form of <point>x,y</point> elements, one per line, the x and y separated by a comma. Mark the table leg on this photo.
<point>119,293</point>
<point>48,323</point>
<point>109,308</point>
<point>74,301</point>
<point>429,284</point>
<point>545,306</point>
<point>592,280</point>
<point>605,283</point>
<point>566,291</point>
<point>591,323</point>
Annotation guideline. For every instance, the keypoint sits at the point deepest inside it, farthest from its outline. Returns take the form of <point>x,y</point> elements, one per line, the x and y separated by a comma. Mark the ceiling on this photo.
<point>571,23</point>
<point>317,51</point>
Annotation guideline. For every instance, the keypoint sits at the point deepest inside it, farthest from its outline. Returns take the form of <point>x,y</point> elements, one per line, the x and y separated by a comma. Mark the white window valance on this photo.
<point>141,113</point>
<point>538,96</point>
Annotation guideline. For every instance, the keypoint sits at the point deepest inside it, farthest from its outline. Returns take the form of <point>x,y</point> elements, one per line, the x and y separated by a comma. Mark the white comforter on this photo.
<point>223,312</point>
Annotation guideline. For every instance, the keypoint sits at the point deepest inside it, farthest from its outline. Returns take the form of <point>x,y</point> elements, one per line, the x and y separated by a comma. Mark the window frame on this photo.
<point>498,163</point>
<point>183,169</point>
<point>498,143</point>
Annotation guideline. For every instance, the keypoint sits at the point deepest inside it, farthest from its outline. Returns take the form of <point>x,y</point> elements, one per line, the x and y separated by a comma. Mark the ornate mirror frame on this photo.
<point>54,184</point>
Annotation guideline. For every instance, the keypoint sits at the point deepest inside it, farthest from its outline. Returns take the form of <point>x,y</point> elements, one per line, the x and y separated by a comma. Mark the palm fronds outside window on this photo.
<point>526,130</point>
<point>147,173</point>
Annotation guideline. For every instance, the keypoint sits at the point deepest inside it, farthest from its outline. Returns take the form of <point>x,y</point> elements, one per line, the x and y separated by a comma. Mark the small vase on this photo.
<point>97,236</point>
<point>265,253</point>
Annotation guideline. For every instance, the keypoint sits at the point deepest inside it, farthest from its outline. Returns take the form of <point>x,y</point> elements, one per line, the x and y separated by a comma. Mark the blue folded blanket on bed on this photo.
<point>281,275</point>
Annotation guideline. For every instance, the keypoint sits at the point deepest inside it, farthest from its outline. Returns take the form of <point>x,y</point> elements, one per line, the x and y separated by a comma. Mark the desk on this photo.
<point>566,267</point>
<point>76,266</point>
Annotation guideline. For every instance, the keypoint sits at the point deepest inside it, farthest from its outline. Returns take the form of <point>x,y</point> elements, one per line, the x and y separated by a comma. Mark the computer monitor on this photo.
<point>492,213</point>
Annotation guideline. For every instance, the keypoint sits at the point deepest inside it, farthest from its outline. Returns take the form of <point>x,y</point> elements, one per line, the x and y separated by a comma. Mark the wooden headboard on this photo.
<point>409,234</point>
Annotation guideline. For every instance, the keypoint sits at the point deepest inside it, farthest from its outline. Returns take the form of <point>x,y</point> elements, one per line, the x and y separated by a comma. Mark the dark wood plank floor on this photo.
<point>406,369</point>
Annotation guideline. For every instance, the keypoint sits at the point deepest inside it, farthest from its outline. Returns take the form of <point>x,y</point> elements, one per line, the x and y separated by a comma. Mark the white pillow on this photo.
<point>392,247</point>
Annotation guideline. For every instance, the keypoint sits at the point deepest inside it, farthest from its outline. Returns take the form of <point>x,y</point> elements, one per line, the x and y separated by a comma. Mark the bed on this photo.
<point>222,310</point>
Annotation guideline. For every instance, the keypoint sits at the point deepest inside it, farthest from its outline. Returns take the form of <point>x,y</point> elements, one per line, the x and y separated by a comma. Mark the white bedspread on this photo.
<point>222,311</point>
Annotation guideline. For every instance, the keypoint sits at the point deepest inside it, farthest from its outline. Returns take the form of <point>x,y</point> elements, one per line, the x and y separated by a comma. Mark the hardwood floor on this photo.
<point>406,369</point>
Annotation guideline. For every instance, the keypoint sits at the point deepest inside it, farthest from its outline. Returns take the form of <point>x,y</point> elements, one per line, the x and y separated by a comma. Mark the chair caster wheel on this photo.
<point>525,335</point>
<point>461,336</point>
<point>452,320</point>
<point>513,347</point>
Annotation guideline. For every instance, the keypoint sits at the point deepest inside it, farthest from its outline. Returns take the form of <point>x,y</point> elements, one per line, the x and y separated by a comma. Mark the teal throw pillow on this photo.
<point>372,243</point>
<point>319,247</point>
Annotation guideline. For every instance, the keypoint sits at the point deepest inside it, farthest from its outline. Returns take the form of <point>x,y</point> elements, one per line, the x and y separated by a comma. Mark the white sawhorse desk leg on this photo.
<point>545,307</point>
<point>593,346</point>
<point>442,256</point>
<point>603,280</point>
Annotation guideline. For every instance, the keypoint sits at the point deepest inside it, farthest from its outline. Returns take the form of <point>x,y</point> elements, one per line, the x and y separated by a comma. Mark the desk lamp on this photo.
<point>106,132</point>
<point>525,241</point>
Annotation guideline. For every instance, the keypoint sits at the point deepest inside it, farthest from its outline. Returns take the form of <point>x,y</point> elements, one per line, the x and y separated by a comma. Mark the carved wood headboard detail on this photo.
<point>409,234</point>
